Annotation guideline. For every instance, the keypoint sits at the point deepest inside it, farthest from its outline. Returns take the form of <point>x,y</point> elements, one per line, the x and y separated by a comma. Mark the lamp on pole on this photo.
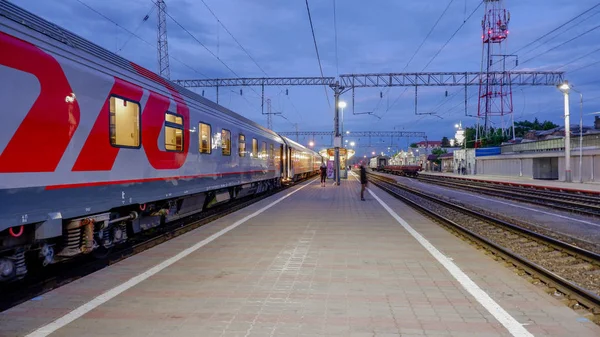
<point>565,88</point>
<point>580,136</point>
<point>342,105</point>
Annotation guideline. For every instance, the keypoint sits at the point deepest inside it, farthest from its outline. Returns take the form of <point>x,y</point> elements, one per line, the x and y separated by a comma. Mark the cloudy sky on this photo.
<point>372,36</point>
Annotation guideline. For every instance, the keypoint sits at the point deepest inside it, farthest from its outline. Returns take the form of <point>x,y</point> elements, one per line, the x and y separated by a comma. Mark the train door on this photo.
<point>290,163</point>
<point>281,166</point>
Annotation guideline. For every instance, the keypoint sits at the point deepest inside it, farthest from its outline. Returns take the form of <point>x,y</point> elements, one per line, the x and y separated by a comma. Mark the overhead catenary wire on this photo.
<point>148,43</point>
<point>579,58</point>
<point>337,67</point>
<point>139,38</point>
<point>415,53</point>
<point>137,28</point>
<point>443,46</point>
<point>248,53</point>
<point>451,37</point>
<point>312,29</point>
<point>233,37</point>
<point>562,44</point>
<point>210,51</point>
<point>561,26</point>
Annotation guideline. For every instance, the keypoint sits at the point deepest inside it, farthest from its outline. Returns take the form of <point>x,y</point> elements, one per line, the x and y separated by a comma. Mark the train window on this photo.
<point>204,138</point>
<point>124,123</point>
<point>263,151</point>
<point>271,151</point>
<point>173,132</point>
<point>226,145</point>
<point>254,148</point>
<point>242,142</point>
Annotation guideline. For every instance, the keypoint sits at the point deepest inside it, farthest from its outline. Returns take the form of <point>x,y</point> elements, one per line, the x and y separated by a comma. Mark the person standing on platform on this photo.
<point>363,181</point>
<point>323,174</point>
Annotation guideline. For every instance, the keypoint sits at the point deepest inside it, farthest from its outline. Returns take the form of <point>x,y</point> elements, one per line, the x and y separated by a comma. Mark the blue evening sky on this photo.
<point>372,36</point>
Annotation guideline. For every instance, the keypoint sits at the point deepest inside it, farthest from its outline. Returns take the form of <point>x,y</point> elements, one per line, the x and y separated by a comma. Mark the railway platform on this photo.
<point>310,261</point>
<point>525,182</point>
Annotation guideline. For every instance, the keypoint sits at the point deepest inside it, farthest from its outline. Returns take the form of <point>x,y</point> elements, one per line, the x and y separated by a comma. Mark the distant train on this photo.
<point>95,149</point>
<point>378,163</point>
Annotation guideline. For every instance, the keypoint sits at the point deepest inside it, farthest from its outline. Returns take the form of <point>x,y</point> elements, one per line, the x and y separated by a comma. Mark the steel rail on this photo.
<point>583,296</point>
<point>568,202</point>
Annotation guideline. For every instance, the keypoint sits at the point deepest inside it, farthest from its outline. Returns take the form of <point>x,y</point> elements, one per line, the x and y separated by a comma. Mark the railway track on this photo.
<point>58,275</point>
<point>572,202</point>
<point>565,269</point>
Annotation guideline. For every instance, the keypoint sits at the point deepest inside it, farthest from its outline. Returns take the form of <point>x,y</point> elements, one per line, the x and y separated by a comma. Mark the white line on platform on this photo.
<point>87,307</point>
<point>509,322</point>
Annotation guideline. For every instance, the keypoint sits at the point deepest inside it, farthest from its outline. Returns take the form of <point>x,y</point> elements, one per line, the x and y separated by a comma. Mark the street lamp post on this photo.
<point>580,136</point>
<point>338,104</point>
<point>564,87</point>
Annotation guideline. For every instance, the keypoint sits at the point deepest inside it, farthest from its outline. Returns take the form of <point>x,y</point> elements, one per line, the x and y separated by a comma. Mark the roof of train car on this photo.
<point>40,25</point>
<point>291,142</point>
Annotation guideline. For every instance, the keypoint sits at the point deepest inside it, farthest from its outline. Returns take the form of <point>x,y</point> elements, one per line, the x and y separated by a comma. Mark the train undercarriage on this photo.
<point>99,233</point>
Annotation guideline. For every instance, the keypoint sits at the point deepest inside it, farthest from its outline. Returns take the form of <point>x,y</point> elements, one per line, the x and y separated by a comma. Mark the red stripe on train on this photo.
<point>97,153</point>
<point>153,118</point>
<point>133,181</point>
<point>44,134</point>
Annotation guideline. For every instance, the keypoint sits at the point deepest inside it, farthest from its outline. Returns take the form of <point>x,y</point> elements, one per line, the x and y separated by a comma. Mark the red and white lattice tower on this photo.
<point>495,92</point>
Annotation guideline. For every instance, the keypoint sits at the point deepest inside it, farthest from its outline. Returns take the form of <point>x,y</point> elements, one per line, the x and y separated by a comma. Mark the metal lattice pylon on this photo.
<point>163,48</point>
<point>495,96</point>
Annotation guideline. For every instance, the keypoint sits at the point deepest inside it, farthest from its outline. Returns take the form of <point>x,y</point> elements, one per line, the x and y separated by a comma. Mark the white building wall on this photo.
<point>521,165</point>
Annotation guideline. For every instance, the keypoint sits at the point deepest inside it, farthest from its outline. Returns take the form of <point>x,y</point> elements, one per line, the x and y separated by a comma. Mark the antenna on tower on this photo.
<point>495,92</point>
<point>163,49</point>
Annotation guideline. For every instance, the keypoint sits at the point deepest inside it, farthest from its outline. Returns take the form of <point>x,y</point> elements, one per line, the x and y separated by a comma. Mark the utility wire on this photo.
<point>203,45</point>
<point>413,56</point>
<point>233,37</point>
<point>445,44</point>
<point>451,37</point>
<point>554,30</point>
<point>317,49</point>
<point>247,53</point>
<point>337,69</point>
<point>137,28</point>
<point>428,34</point>
<point>579,58</point>
<point>561,26</point>
<point>138,37</point>
<point>583,67</point>
<point>562,44</point>
<point>199,42</point>
<point>148,43</point>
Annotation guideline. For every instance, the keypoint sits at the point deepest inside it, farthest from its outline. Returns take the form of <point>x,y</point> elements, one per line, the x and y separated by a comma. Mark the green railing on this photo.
<point>552,144</point>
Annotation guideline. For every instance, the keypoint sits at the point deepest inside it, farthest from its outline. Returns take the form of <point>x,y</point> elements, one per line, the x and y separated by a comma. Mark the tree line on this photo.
<point>496,137</point>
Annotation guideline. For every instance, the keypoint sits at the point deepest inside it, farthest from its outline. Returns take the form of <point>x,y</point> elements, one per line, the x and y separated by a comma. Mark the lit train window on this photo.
<point>124,123</point>
<point>204,138</point>
<point>254,147</point>
<point>271,151</point>
<point>242,149</point>
<point>226,142</point>
<point>173,132</point>
<point>263,151</point>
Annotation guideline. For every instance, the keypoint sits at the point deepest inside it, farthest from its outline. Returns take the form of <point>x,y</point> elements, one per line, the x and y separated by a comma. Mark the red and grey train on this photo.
<point>94,148</point>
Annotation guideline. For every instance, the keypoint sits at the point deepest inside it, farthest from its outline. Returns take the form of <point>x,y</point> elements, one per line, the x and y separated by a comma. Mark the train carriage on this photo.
<point>94,148</point>
<point>378,163</point>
